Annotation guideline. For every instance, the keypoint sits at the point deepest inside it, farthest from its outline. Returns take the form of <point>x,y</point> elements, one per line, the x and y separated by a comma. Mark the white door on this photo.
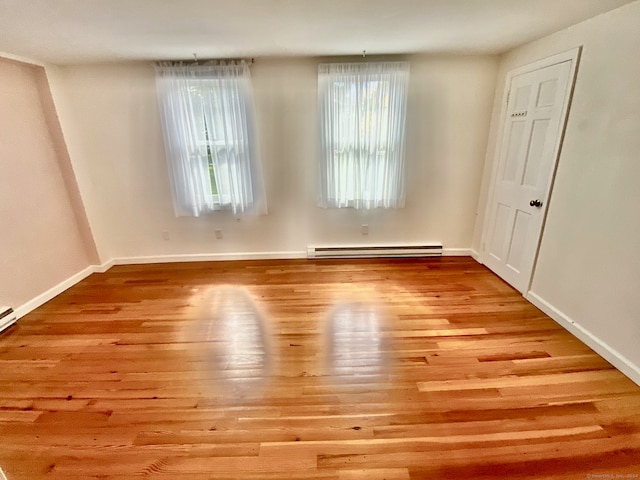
<point>532,130</point>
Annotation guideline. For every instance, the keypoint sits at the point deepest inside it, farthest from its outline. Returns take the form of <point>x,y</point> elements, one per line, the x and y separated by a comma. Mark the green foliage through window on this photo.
<point>214,186</point>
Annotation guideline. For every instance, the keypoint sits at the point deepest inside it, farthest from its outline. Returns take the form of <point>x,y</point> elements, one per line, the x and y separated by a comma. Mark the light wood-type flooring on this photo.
<point>328,370</point>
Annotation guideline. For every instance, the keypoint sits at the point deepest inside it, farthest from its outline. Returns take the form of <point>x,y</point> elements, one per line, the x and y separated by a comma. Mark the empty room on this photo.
<point>285,239</point>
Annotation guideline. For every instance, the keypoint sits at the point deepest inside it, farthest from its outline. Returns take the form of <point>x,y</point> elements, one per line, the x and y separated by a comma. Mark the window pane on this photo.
<point>207,124</point>
<point>363,134</point>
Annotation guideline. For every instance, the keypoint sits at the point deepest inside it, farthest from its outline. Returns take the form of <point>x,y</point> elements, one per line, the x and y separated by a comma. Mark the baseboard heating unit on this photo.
<point>372,251</point>
<point>7,318</point>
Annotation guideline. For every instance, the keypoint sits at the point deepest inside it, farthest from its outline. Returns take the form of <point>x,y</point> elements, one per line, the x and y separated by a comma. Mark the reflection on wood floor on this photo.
<point>332,370</point>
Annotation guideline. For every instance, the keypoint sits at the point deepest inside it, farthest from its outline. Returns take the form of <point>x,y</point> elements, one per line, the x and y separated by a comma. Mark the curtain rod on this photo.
<point>248,60</point>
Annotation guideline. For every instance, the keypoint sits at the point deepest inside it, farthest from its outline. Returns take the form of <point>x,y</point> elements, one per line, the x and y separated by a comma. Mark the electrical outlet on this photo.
<point>166,235</point>
<point>364,229</point>
<point>218,234</point>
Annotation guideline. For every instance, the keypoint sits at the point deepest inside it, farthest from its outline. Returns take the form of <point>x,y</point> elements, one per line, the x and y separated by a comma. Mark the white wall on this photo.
<point>45,238</point>
<point>110,119</point>
<point>588,269</point>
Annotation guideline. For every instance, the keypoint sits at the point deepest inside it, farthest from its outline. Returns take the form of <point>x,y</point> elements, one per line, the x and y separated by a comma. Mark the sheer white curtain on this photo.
<point>209,135</point>
<point>362,122</point>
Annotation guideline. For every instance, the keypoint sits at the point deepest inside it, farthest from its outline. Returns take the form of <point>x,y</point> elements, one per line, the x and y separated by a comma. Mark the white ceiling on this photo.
<point>81,31</point>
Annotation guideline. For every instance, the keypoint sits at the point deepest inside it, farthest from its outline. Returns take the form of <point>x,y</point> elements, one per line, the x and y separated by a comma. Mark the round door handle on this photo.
<point>535,203</point>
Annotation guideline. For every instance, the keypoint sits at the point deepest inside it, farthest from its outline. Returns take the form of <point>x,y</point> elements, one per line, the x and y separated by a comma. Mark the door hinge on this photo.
<point>508,95</point>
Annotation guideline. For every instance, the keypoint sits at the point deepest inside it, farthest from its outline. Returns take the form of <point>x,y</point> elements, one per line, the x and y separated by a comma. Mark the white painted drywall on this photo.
<point>589,259</point>
<point>110,118</point>
<point>45,238</point>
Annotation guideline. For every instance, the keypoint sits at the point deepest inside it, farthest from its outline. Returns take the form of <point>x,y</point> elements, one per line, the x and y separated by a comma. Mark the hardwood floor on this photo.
<point>332,370</point>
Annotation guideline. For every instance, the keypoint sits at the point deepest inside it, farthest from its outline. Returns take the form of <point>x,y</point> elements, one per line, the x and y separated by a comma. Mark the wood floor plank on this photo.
<point>396,369</point>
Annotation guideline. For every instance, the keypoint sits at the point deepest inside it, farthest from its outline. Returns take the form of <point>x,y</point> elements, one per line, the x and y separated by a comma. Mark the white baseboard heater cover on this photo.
<point>7,318</point>
<point>373,251</point>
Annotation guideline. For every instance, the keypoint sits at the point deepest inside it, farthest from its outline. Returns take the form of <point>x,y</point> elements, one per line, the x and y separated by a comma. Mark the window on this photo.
<point>362,118</point>
<point>207,121</point>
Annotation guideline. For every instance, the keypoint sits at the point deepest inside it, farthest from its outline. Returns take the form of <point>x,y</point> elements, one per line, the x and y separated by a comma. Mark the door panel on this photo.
<point>518,241</point>
<point>522,95</point>
<point>500,230</point>
<point>533,126</point>
<point>534,161</point>
<point>516,134</point>
<point>547,93</point>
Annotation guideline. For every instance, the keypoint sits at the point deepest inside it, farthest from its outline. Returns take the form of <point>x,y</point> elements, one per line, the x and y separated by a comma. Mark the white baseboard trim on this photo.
<point>614,357</point>
<point>208,257</point>
<point>41,299</point>
<point>456,252</point>
<point>102,268</point>
<point>4,324</point>
<point>34,303</point>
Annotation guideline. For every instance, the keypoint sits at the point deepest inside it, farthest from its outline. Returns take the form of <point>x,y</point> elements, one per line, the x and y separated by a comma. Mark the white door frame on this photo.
<point>572,55</point>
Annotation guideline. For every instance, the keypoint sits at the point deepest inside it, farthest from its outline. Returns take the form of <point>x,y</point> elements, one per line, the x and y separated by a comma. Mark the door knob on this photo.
<point>535,203</point>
